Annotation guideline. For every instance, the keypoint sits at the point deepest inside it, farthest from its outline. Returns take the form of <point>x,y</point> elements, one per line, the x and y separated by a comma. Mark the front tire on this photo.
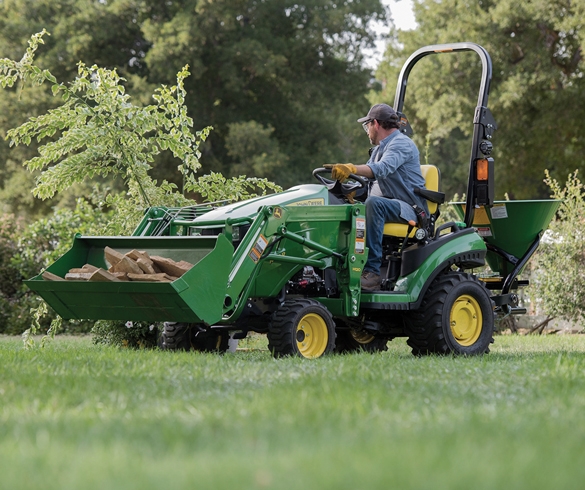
<point>175,336</point>
<point>303,328</point>
<point>456,317</point>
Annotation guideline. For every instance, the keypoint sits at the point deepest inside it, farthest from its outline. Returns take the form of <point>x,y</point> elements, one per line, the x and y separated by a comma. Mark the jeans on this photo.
<point>379,210</point>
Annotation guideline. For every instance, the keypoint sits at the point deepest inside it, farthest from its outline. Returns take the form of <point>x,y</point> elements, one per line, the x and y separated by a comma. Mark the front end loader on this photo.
<point>288,265</point>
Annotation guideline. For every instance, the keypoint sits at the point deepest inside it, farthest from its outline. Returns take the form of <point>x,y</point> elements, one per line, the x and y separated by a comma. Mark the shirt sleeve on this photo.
<point>395,154</point>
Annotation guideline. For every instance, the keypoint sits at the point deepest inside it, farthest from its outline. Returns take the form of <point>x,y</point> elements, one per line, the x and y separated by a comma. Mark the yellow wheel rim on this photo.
<point>362,337</point>
<point>466,320</point>
<point>312,336</point>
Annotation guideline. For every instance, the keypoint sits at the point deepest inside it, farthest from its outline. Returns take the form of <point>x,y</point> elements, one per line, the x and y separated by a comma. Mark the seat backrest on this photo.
<point>432,178</point>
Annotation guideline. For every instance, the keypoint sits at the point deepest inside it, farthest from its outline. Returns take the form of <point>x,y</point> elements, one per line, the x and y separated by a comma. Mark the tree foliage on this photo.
<point>99,131</point>
<point>295,67</point>
<point>537,95</point>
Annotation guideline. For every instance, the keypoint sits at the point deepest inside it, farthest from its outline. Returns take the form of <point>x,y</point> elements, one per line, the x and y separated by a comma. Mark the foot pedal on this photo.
<point>517,311</point>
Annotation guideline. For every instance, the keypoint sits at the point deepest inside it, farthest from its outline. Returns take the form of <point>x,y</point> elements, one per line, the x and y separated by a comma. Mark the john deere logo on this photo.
<point>278,212</point>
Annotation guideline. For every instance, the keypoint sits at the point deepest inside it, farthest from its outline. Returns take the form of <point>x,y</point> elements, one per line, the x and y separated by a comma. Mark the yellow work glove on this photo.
<point>341,171</point>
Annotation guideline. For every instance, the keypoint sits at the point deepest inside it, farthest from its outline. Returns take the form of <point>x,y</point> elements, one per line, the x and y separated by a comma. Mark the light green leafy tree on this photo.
<point>97,32</point>
<point>100,132</point>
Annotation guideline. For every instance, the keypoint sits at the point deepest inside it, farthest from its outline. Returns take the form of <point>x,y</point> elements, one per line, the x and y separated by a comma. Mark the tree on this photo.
<point>288,72</point>
<point>537,96</point>
<point>292,68</point>
<point>99,132</point>
<point>83,30</point>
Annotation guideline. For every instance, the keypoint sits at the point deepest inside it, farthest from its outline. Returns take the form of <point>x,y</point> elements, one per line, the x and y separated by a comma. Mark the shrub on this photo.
<point>126,334</point>
<point>15,299</point>
<point>558,283</point>
<point>26,250</point>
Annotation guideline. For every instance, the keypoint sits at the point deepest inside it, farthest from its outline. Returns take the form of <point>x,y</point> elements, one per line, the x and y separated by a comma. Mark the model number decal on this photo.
<point>309,202</point>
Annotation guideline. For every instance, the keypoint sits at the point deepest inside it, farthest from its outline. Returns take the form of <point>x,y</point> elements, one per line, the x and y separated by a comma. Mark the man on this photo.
<point>395,164</point>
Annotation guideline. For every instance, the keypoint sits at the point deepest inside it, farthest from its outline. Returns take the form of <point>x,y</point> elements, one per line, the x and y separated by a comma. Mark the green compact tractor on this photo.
<point>289,264</point>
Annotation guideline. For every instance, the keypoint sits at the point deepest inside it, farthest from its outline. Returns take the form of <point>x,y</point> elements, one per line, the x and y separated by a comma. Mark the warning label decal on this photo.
<point>360,235</point>
<point>499,211</point>
<point>258,248</point>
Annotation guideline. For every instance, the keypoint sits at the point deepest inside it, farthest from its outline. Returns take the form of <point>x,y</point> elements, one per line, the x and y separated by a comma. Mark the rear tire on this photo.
<point>303,328</point>
<point>456,317</point>
<point>188,336</point>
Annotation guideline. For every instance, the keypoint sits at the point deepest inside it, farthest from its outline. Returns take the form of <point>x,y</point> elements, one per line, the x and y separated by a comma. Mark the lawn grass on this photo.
<point>79,416</point>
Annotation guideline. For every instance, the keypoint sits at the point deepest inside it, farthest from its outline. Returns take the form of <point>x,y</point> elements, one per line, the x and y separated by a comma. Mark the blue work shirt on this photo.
<point>395,163</point>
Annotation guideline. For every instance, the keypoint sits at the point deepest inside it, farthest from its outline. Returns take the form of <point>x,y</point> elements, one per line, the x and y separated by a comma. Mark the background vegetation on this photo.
<point>282,84</point>
<point>537,91</point>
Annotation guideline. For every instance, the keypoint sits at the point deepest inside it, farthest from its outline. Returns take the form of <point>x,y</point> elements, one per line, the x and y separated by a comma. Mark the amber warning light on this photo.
<point>482,169</point>
<point>484,181</point>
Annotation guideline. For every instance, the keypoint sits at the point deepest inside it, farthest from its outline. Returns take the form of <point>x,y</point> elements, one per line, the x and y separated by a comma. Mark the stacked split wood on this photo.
<point>132,266</point>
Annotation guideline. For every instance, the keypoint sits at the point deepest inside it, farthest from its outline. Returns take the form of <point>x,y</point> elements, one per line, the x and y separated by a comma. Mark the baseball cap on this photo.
<point>381,112</point>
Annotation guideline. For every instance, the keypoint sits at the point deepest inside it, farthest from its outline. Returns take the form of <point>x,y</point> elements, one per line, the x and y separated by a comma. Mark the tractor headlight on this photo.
<point>236,233</point>
<point>420,234</point>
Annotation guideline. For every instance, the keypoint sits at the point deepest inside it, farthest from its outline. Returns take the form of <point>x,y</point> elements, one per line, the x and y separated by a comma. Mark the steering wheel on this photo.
<point>340,188</point>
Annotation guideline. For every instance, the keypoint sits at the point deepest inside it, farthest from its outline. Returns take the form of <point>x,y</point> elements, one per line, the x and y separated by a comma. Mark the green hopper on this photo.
<point>511,230</point>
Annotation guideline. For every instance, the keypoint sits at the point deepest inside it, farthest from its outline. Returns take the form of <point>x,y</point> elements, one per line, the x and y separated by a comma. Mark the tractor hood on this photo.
<point>301,195</point>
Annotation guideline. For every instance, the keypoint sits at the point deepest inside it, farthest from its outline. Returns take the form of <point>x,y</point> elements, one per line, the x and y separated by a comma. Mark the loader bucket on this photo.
<point>511,226</point>
<point>197,296</point>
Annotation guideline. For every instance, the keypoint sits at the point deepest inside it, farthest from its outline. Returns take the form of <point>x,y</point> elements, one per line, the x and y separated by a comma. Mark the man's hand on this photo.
<point>341,171</point>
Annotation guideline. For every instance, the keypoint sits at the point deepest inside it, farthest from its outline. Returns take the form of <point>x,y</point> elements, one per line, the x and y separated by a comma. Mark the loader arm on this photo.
<point>283,240</point>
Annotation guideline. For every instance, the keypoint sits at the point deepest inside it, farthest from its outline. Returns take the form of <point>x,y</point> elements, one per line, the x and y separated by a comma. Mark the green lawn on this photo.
<point>79,416</point>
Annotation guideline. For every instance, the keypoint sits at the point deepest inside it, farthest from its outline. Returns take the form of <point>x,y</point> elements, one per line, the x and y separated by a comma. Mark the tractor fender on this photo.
<point>463,248</point>
<point>414,256</point>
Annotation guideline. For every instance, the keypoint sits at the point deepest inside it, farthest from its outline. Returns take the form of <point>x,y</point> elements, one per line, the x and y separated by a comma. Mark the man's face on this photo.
<point>371,128</point>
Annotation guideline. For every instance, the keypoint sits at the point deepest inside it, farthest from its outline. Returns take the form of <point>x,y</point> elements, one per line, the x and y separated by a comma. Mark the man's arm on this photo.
<point>364,170</point>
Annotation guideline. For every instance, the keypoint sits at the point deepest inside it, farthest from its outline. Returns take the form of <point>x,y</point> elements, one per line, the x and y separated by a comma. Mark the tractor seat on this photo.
<point>434,197</point>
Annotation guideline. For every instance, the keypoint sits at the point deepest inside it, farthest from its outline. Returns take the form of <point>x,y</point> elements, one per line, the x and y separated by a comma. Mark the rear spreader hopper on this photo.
<point>289,265</point>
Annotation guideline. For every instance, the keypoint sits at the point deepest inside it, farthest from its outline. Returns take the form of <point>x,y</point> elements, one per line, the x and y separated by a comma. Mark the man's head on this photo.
<point>380,121</point>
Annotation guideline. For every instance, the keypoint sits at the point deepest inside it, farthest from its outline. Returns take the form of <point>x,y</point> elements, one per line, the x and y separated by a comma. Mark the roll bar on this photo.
<point>480,191</point>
